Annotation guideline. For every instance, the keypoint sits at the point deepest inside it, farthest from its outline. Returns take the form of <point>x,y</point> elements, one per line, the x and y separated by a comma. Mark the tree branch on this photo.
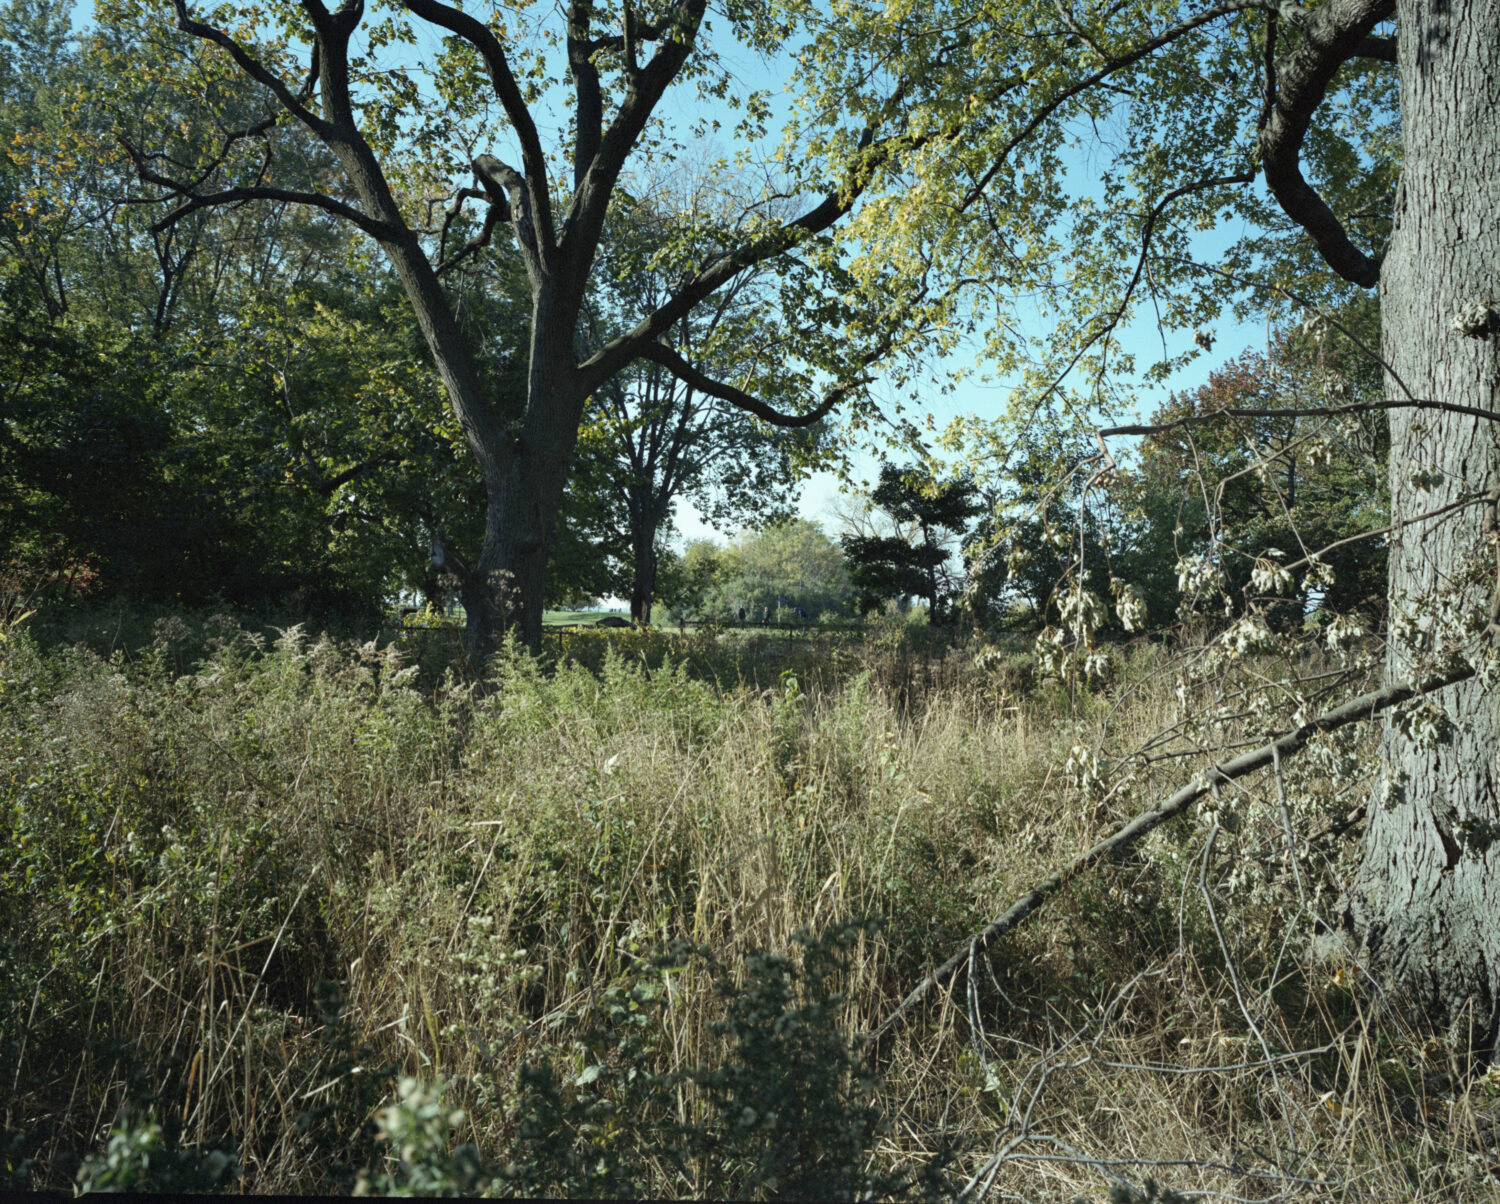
<point>533,160</point>
<point>1381,50</point>
<point>1366,706</point>
<point>589,113</point>
<point>253,67</point>
<point>493,216</point>
<point>669,359</point>
<point>1331,35</point>
<point>1147,230</point>
<point>614,355</point>
<point>1111,66</point>
<point>333,483</point>
<point>1354,407</point>
<point>595,184</point>
<point>331,34</point>
<point>264,192</point>
<point>507,190</point>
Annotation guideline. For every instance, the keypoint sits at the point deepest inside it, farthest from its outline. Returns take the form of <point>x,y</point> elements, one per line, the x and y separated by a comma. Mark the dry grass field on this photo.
<point>287,914</point>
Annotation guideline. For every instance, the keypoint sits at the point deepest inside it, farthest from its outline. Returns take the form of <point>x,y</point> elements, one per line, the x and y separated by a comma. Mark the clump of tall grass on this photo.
<point>288,911</point>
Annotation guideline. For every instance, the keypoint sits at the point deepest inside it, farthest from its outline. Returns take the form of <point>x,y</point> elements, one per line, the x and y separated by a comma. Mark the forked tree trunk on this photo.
<point>1427,897</point>
<point>524,467</point>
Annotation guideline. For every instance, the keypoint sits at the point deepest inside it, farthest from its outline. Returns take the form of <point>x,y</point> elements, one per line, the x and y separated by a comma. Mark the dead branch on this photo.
<point>1366,706</point>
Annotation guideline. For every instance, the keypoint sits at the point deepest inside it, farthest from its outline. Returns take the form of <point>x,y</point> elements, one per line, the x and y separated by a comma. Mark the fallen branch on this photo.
<point>1366,706</point>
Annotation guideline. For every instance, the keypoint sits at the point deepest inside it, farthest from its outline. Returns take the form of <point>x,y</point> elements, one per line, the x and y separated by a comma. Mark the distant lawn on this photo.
<point>550,618</point>
<point>569,618</point>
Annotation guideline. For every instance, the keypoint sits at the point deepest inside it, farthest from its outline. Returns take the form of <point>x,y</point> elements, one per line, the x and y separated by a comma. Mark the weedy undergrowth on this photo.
<point>257,881</point>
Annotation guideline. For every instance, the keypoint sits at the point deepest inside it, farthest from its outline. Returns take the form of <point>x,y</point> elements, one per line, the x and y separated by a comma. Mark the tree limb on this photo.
<point>595,185</point>
<point>1381,50</point>
<point>1366,706</point>
<point>334,483</point>
<point>508,192</point>
<point>1111,66</point>
<point>1354,407</point>
<point>493,216</point>
<point>252,67</point>
<point>264,192</point>
<point>669,359</point>
<point>614,355</point>
<point>533,159</point>
<point>1107,327</point>
<point>588,114</point>
<point>1332,34</point>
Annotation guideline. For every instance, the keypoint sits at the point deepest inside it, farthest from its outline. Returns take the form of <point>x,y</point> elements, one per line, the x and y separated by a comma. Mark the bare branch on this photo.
<point>629,41</point>
<point>334,483</point>
<point>261,192</point>
<point>508,193</point>
<point>669,359</point>
<point>493,216</point>
<point>1298,299</point>
<point>1355,407</point>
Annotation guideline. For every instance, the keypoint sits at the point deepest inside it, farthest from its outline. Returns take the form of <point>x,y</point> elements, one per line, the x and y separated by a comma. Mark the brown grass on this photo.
<point>245,899</point>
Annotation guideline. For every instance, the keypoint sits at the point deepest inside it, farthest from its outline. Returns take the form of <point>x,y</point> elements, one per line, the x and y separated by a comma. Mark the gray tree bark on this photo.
<point>1427,898</point>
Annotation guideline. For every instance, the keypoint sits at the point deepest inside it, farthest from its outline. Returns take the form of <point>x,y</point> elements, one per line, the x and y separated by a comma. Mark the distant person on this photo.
<point>801,614</point>
<point>765,616</point>
<point>742,616</point>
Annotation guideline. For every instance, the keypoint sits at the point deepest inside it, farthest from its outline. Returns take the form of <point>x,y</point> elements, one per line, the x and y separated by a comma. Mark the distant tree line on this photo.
<point>1002,540</point>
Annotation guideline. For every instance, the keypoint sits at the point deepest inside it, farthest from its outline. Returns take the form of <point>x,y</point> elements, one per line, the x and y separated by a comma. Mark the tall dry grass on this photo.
<point>267,897</point>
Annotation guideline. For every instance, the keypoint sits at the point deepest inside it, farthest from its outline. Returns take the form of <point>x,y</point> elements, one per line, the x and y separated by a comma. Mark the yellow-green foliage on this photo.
<point>254,887</point>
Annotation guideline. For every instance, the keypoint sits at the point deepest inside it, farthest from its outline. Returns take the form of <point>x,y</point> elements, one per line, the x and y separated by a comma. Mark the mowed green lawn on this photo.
<point>571,618</point>
<point>550,618</point>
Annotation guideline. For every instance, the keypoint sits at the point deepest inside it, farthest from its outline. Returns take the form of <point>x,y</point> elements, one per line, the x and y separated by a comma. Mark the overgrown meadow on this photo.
<point>284,912</point>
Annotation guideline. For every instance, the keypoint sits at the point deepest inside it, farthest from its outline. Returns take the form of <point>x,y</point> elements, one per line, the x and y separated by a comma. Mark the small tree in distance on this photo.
<point>649,439</point>
<point>928,517</point>
<point>793,559</point>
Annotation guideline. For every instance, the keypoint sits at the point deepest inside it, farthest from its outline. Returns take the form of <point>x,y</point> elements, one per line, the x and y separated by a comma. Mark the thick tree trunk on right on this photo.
<point>1427,898</point>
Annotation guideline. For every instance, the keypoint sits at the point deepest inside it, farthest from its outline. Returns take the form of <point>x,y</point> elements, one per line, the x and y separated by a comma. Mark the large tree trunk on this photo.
<point>506,591</point>
<point>643,580</point>
<point>1428,897</point>
<point>524,468</point>
<point>524,496</point>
